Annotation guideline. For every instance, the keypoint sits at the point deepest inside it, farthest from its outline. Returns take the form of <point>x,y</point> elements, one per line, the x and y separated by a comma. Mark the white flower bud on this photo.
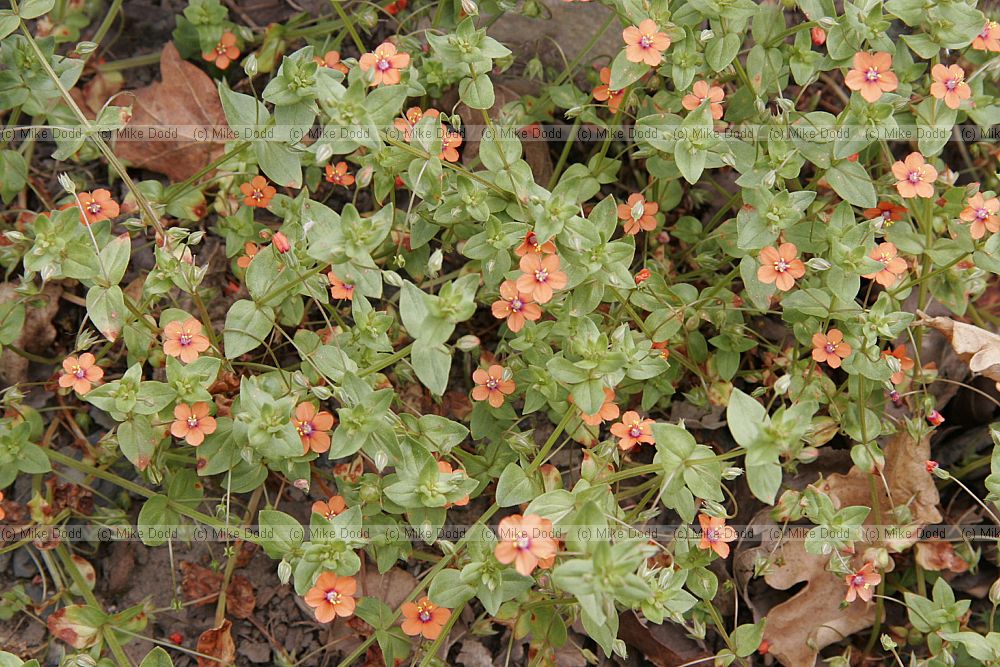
<point>467,343</point>
<point>83,48</point>
<point>284,571</point>
<point>250,65</point>
<point>470,7</point>
<point>67,183</point>
<point>323,153</point>
<point>818,264</point>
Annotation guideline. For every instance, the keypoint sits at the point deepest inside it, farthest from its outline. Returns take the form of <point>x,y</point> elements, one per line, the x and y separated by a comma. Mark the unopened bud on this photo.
<point>284,571</point>
<point>323,153</point>
<point>250,65</point>
<point>731,473</point>
<point>467,343</point>
<point>994,593</point>
<point>707,35</point>
<point>818,264</point>
<point>281,243</point>
<point>470,7</point>
<point>435,262</point>
<point>83,48</point>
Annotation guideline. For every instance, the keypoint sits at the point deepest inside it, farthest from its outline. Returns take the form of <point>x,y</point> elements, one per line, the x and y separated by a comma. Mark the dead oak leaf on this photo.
<point>218,644</point>
<point>977,347</point>
<point>201,586</point>
<point>185,99</point>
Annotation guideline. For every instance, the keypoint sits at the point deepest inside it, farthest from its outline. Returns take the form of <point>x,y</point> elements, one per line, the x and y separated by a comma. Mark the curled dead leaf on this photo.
<point>219,645</point>
<point>798,628</point>
<point>977,347</point>
<point>938,556</point>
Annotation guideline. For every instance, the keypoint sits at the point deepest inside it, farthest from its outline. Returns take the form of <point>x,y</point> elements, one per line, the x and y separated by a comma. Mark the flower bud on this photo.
<point>470,7</point>
<point>818,36</point>
<point>732,472</point>
<point>435,262</point>
<point>281,243</point>
<point>84,48</point>
<point>467,343</point>
<point>323,153</point>
<point>782,384</point>
<point>818,264</point>
<point>250,65</point>
<point>994,593</point>
<point>284,571</point>
<point>706,35</point>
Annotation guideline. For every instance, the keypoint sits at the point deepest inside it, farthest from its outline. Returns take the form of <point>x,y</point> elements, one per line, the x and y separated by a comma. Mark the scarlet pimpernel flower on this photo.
<point>332,596</point>
<point>491,386</point>
<point>715,535</point>
<point>861,582</point>
<point>645,43</point>
<point>638,214</point>
<point>313,427</point>
<point>515,306</point>
<point>604,93</point>
<point>80,373</point>
<point>540,277</point>
<point>633,430</point>
<point>192,422</point>
<point>424,618</point>
<point>893,266</point>
<point>257,193</point>
<point>830,348</point>
<point>525,541</point>
<point>982,214</point>
<point>702,91</point>
<point>871,75</point>
<point>386,62</point>
<point>184,340</point>
<point>914,177</point>
<point>780,266</point>
<point>224,53</point>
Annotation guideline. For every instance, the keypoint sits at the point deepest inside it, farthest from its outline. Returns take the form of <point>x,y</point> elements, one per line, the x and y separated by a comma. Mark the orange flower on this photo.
<point>603,93</point>
<point>633,430</point>
<point>871,75</point>
<point>424,618</point>
<point>224,52</point>
<point>339,289</point>
<point>715,535</point>
<point>386,63</point>
<point>905,363</point>
<point>860,583</point>
<point>531,245</point>
<point>780,266</point>
<point>989,38</point>
<point>329,508</point>
<point>97,206</point>
<point>3,514</point>
<point>339,175</point>
<point>914,177</point>
<point>886,210</point>
<point>250,251</point>
<point>982,213</point>
<point>80,373</point>
<point>411,118</point>
<point>830,348</point>
<point>446,468</point>
<point>192,422</point>
<point>184,340</point>
<point>664,350</point>
<point>491,385</point>
<point>332,60</point>
<point>645,43</point>
<point>949,85</point>
<point>449,145</point>
<point>894,266</point>
<point>332,596</point>
<point>642,276</point>
<point>701,92</point>
<point>313,428</point>
<point>540,277</point>
<point>609,410</point>
<point>514,306</point>
<point>257,192</point>
<point>524,541</point>
<point>638,214</point>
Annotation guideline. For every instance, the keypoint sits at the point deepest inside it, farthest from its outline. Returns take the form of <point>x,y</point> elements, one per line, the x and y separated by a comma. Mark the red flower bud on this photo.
<point>281,243</point>
<point>642,276</point>
<point>818,36</point>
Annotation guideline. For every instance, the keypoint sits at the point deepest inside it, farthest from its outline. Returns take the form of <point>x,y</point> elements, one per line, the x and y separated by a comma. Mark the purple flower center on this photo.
<point>332,596</point>
<point>425,615</point>
<point>383,64</point>
<point>185,339</point>
<point>951,84</point>
<point>982,214</point>
<point>781,266</point>
<point>79,373</point>
<point>635,431</point>
<point>516,304</point>
<point>830,348</point>
<point>913,177</point>
<point>192,422</point>
<point>523,542</point>
<point>645,41</point>
<point>872,74</point>
<point>541,275</point>
<point>492,383</point>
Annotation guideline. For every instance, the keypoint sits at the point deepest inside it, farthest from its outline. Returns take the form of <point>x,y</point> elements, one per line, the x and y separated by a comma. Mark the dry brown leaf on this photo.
<point>217,643</point>
<point>812,619</point>
<point>96,92</point>
<point>979,348</point>
<point>37,335</point>
<point>186,96</point>
<point>201,586</point>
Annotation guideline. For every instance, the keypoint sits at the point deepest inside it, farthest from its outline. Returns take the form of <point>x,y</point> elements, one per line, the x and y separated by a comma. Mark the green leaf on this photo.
<point>624,72</point>
<point>281,533</point>
<point>11,321</point>
<point>114,258</point>
<point>32,9</point>
<point>247,326</point>
<point>448,590</point>
<point>852,183</point>
<point>154,517</point>
<point>722,50</point>
<point>432,364</point>
<point>157,658</point>
<point>746,638</point>
<point>8,24</point>
<point>745,417</point>
<point>514,487</point>
<point>279,162</point>
<point>106,308</point>
<point>477,92</point>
